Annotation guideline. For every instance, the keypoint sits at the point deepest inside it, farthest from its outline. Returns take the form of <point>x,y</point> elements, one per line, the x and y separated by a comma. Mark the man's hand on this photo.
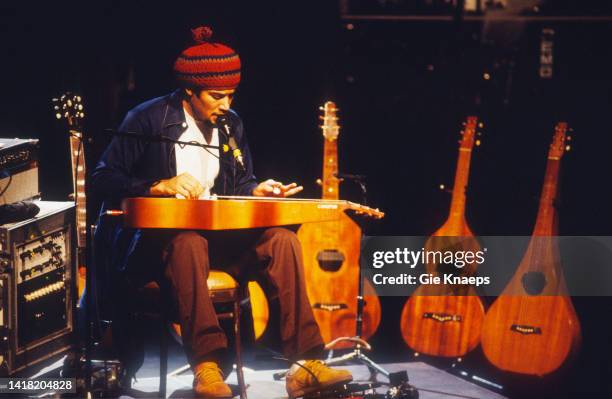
<point>273,188</point>
<point>183,184</point>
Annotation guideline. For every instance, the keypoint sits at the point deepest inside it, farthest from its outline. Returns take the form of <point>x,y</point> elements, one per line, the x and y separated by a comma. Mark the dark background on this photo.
<point>403,89</point>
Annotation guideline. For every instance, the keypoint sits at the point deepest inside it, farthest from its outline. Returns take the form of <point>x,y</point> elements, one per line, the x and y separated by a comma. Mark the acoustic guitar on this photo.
<point>331,255</point>
<point>439,320</point>
<point>69,107</point>
<point>532,328</point>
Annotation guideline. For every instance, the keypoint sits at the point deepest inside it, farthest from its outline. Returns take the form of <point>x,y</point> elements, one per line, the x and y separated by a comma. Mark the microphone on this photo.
<point>233,146</point>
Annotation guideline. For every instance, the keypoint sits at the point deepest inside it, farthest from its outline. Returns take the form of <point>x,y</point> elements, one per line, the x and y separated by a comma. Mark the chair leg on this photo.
<point>163,360</point>
<point>239,373</point>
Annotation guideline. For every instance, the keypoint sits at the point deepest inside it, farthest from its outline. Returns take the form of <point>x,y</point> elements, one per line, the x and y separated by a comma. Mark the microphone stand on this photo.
<point>360,344</point>
<point>357,354</point>
<point>159,139</point>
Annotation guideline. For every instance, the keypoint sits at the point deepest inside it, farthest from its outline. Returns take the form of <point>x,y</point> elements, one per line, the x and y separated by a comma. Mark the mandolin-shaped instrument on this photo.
<point>331,256</point>
<point>532,327</point>
<point>441,320</point>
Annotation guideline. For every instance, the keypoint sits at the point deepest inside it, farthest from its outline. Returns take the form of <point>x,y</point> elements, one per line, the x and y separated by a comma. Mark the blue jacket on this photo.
<point>128,168</point>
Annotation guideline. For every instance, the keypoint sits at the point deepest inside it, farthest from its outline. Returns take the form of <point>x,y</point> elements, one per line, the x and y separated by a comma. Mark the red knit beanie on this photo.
<point>207,65</point>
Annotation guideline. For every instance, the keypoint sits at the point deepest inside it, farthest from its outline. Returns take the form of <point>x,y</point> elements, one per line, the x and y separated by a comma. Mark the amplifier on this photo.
<point>37,293</point>
<point>18,170</point>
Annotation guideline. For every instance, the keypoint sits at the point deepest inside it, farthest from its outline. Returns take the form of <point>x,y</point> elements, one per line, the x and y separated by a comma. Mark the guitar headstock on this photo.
<point>559,143</point>
<point>330,126</point>
<point>469,133</point>
<point>69,106</point>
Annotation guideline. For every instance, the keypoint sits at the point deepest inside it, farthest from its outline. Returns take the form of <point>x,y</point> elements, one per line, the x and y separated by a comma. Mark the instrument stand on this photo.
<point>357,355</point>
<point>360,344</point>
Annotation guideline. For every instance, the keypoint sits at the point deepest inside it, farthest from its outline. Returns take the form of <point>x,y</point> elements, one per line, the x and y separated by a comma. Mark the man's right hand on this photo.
<point>183,184</point>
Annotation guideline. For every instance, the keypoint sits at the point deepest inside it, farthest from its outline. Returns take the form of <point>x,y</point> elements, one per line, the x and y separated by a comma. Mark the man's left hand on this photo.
<point>273,188</point>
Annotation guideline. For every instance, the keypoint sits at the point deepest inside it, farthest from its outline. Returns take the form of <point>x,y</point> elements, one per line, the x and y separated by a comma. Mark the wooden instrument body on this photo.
<point>530,334</point>
<point>444,325</point>
<point>259,308</point>
<point>439,320</point>
<point>533,334</point>
<point>231,213</point>
<point>333,293</point>
<point>532,328</point>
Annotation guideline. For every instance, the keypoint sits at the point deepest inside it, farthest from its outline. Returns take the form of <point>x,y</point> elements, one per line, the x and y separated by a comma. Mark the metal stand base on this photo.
<point>356,355</point>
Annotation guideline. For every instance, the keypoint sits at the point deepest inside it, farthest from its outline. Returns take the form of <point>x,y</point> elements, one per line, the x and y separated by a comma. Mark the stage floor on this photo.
<point>431,382</point>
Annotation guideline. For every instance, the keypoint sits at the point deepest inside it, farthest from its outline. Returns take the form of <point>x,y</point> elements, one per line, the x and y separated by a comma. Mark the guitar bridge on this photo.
<point>527,330</point>
<point>330,307</point>
<point>442,317</point>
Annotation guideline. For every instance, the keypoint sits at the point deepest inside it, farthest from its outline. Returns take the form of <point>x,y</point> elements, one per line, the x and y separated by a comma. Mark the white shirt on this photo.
<point>197,161</point>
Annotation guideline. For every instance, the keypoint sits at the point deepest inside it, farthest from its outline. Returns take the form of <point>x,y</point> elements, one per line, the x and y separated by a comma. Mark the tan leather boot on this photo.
<point>208,382</point>
<point>300,382</point>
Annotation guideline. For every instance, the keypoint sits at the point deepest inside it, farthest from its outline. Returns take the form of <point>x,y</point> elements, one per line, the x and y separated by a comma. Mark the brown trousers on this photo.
<point>270,256</point>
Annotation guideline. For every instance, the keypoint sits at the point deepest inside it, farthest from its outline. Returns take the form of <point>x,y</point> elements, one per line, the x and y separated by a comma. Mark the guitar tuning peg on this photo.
<point>568,147</point>
<point>80,107</point>
<point>58,116</point>
<point>78,98</point>
<point>82,115</point>
<point>69,102</point>
<point>319,182</point>
<point>477,143</point>
<point>462,123</point>
<point>480,125</point>
<point>55,107</point>
<point>569,138</point>
<point>478,133</point>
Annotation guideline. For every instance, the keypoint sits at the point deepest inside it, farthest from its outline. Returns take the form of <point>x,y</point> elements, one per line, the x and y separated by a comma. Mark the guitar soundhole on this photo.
<point>533,282</point>
<point>330,260</point>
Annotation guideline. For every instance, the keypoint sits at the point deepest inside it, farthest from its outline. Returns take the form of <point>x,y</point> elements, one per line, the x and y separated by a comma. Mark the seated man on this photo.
<point>208,74</point>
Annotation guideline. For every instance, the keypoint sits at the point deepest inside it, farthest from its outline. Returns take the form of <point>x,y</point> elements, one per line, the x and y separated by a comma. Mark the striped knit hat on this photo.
<point>207,65</point>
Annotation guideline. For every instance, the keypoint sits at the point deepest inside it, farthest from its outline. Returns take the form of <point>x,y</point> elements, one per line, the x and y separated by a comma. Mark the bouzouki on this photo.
<point>69,107</point>
<point>439,320</point>
<point>331,255</point>
<point>532,327</point>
